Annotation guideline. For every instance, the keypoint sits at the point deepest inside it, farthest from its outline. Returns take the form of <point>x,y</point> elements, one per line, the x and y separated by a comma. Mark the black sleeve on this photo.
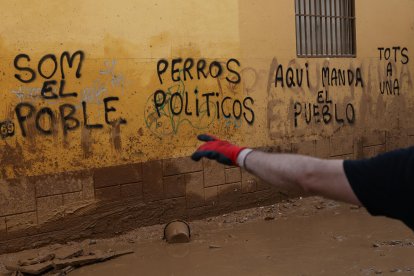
<point>385,184</point>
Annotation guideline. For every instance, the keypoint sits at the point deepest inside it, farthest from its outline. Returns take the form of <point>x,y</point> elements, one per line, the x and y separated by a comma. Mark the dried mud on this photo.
<point>310,236</point>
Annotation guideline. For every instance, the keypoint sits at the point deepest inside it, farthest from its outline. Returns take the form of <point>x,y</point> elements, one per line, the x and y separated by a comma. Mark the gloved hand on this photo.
<point>217,149</point>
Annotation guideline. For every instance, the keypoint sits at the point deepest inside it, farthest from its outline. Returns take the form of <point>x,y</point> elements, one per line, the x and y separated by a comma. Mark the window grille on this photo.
<point>325,28</point>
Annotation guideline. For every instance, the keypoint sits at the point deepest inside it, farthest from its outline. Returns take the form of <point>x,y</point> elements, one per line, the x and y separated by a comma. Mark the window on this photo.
<point>325,28</point>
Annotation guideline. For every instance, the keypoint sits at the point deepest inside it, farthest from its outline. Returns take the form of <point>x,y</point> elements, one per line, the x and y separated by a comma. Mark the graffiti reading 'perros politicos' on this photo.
<point>394,55</point>
<point>178,104</point>
<point>45,119</point>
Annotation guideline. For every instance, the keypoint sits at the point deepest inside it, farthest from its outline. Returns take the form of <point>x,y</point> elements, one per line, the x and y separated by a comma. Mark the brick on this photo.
<point>211,195</point>
<point>172,209</point>
<point>213,173</point>
<point>373,139</point>
<point>279,148</point>
<point>88,189</point>
<point>194,189</point>
<point>72,198</point>
<point>305,148</point>
<point>21,221</point>
<point>262,185</point>
<point>180,166</point>
<point>3,227</point>
<point>63,183</point>
<point>249,182</point>
<point>322,148</point>
<point>174,186</point>
<point>229,193</point>
<point>108,193</point>
<point>398,140</point>
<point>153,188</point>
<point>342,145</point>
<point>343,157</point>
<point>16,196</point>
<point>49,207</point>
<point>232,175</point>
<point>112,176</point>
<point>372,151</point>
<point>131,190</point>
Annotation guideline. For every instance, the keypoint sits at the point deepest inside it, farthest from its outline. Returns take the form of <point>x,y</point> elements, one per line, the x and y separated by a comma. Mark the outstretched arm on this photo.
<point>311,175</point>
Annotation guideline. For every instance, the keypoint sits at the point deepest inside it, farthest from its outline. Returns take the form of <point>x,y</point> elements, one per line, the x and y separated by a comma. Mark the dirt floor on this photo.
<point>309,236</point>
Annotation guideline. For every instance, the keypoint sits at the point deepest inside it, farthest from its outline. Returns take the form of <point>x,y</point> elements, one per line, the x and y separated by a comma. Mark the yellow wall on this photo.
<point>122,41</point>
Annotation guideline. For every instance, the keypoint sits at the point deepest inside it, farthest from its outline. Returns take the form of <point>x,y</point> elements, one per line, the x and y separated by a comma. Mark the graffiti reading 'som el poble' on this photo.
<point>55,87</point>
<point>171,107</point>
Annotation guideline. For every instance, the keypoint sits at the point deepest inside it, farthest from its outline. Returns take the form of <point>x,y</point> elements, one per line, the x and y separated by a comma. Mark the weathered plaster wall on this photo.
<point>89,134</point>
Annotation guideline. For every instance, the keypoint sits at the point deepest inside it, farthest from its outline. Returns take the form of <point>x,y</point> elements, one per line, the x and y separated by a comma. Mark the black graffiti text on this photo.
<point>323,111</point>
<point>46,120</point>
<point>193,105</point>
<point>188,69</point>
<point>22,64</point>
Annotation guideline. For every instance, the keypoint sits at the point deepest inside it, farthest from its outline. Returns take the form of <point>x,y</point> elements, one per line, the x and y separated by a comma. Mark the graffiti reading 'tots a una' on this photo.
<point>391,85</point>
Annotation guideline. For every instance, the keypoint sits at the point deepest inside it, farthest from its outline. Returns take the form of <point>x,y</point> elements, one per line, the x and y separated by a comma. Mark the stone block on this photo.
<point>322,148</point>
<point>232,175</point>
<point>108,193</point>
<point>341,145</point>
<point>249,182</point>
<point>181,165</point>
<point>153,188</point>
<point>21,221</point>
<point>48,208</point>
<point>229,193</point>
<point>72,198</point>
<point>131,190</point>
<point>3,227</point>
<point>174,186</point>
<point>112,176</point>
<point>372,151</point>
<point>194,189</point>
<point>67,182</point>
<point>343,157</point>
<point>213,173</point>
<point>305,148</point>
<point>374,138</point>
<point>211,195</point>
<point>88,189</point>
<point>398,141</point>
<point>262,185</point>
<point>16,196</point>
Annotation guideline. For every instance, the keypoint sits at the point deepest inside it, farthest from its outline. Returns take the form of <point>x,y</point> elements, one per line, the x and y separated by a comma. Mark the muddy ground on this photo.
<point>309,236</point>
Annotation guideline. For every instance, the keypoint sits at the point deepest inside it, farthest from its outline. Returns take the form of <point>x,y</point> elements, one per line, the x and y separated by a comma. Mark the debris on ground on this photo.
<point>61,261</point>
<point>402,243</point>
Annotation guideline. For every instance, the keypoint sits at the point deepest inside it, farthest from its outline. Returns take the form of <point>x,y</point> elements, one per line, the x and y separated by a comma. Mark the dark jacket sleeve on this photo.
<point>385,184</point>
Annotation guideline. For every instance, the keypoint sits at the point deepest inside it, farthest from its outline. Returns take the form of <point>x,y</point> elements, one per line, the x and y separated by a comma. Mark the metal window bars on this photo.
<point>325,28</point>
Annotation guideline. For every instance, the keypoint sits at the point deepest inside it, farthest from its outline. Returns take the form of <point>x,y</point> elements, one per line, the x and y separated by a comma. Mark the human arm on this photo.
<point>311,175</point>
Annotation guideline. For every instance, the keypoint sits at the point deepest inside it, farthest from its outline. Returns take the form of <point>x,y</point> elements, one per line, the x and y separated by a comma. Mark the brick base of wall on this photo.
<point>103,202</point>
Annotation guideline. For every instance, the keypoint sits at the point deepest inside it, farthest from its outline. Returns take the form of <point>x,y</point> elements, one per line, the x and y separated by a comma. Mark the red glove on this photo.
<point>216,149</point>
